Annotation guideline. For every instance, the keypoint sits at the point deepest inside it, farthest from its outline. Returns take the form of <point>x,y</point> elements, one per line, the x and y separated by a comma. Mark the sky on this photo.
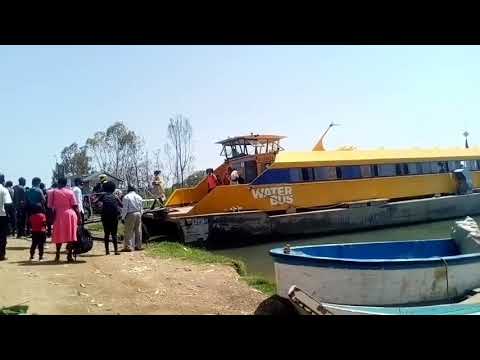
<point>390,96</point>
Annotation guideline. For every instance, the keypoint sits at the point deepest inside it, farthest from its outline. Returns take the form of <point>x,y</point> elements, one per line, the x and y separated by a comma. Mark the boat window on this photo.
<point>375,170</point>
<point>478,164</point>
<point>401,169</point>
<point>472,165</point>
<point>339,172</point>
<point>325,173</point>
<point>435,169</point>
<point>366,171</point>
<point>307,174</point>
<point>351,172</point>
<point>426,168</point>
<point>296,175</point>
<point>415,168</point>
<point>442,166</point>
<point>387,170</point>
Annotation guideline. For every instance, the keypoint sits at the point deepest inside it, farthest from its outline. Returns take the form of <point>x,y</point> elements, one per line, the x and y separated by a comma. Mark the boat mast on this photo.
<point>319,146</point>
<point>466,139</point>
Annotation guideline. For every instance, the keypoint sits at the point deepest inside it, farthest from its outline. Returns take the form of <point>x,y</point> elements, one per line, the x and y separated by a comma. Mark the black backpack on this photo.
<point>84,241</point>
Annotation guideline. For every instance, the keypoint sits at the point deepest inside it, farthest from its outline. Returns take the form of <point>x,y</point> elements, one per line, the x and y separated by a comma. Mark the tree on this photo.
<point>194,178</point>
<point>179,147</point>
<point>74,160</point>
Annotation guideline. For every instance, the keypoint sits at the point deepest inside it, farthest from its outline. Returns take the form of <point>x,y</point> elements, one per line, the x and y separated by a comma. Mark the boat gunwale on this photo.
<point>302,259</point>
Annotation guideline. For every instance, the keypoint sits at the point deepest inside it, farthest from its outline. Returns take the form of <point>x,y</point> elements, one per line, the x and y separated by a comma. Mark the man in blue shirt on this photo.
<point>35,198</point>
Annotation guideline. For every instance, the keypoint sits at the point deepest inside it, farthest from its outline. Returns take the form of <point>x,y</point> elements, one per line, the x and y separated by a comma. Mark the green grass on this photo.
<point>167,250</point>
<point>98,228</point>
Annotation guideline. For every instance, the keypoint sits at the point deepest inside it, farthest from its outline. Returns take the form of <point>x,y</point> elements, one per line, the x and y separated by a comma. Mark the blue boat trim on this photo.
<point>412,254</point>
<point>446,309</point>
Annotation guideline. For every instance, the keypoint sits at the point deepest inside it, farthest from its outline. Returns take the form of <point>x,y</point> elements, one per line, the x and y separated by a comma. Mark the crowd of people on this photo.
<point>58,213</point>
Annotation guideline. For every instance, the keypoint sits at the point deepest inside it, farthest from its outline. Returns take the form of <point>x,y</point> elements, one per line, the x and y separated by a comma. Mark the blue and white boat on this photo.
<point>305,304</point>
<point>383,273</point>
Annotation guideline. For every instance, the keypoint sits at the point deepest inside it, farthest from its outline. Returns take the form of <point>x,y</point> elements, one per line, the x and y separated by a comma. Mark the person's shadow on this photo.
<point>47,262</point>
<point>18,248</point>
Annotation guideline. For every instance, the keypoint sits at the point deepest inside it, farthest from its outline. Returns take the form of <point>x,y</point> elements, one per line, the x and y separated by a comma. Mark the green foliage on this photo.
<point>261,284</point>
<point>193,179</point>
<point>175,250</point>
<point>198,256</point>
<point>14,310</point>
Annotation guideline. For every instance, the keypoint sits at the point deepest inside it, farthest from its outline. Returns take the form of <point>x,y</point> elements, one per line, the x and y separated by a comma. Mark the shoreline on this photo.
<point>193,255</point>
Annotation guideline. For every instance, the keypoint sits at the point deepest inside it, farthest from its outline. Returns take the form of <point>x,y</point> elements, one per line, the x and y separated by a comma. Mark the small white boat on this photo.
<point>308,305</point>
<point>383,273</point>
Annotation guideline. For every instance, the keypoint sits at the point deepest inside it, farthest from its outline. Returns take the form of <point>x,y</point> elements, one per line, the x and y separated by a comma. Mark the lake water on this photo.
<point>259,261</point>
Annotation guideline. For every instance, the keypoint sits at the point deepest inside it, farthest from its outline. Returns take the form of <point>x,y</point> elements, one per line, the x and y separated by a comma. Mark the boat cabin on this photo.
<point>250,155</point>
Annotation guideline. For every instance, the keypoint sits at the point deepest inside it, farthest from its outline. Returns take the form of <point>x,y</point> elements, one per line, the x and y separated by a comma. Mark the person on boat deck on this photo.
<point>234,177</point>
<point>212,180</point>
<point>158,190</point>
<point>226,176</point>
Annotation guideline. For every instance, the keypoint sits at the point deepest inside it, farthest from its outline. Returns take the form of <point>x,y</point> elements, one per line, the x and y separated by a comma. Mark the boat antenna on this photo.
<point>319,146</point>
<point>466,139</point>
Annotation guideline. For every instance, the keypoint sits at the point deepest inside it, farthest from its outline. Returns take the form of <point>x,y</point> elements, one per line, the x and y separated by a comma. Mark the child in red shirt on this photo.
<point>38,221</point>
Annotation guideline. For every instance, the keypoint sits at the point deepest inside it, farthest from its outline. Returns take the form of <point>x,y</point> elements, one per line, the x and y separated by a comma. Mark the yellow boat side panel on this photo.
<point>189,195</point>
<point>273,197</point>
<point>289,159</point>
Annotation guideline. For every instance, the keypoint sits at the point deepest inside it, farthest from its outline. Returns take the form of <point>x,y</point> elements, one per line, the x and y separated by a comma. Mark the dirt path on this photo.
<point>131,283</point>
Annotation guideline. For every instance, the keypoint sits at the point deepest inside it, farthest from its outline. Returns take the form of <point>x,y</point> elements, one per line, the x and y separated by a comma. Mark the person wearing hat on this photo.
<point>102,180</point>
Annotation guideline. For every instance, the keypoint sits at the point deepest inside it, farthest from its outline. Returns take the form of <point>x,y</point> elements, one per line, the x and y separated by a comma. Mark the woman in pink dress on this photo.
<point>62,201</point>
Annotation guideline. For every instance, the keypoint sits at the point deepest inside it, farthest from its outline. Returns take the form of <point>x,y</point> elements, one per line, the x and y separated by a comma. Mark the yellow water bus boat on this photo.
<point>283,183</point>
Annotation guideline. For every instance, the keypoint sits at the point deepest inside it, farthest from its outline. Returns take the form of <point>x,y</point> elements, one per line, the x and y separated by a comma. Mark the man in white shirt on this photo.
<point>5,199</point>
<point>132,217</point>
<point>79,196</point>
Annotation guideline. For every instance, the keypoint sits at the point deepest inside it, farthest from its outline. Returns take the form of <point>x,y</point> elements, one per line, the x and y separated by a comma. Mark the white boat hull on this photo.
<point>377,287</point>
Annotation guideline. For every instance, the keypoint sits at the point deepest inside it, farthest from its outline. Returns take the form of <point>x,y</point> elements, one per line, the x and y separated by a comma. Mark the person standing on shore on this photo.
<point>110,214</point>
<point>4,200</point>
<point>10,209</point>
<point>38,221</point>
<point>19,202</point>
<point>66,217</point>
<point>34,198</point>
<point>132,218</point>
<point>79,196</point>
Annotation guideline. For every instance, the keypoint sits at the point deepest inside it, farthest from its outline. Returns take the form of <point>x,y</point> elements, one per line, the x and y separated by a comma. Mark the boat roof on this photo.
<point>287,159</point>
<point>247,139</point>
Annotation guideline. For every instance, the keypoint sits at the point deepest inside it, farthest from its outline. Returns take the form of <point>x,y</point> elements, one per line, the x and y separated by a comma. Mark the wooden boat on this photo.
<point>308,305</point>
<point>379,273</point>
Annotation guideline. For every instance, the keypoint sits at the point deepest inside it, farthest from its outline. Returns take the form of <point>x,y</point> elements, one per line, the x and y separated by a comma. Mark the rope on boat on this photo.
<point>446,272</point>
